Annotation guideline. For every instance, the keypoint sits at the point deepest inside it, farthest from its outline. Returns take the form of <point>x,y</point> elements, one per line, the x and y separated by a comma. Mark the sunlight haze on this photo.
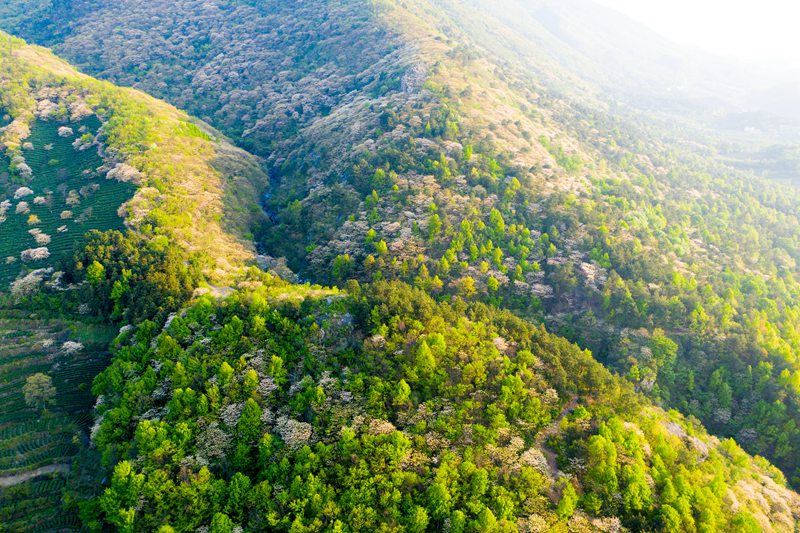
<point>752,31</point>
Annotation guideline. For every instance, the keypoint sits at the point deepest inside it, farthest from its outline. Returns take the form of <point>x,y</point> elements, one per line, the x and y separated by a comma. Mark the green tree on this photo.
<point>664,349</point>
<point>249,426</point>
<point>238,496</point>
<point>497,224</point>
<point>743,522</point>
<point>39,391</point>
<point>601,474</point>
<point>493,284</point>
<point>424,361</point>
<point>121,497</point>
<point>251,382</point>
<point>486,521</point>
<point>434,226</point>
<point>418,520</point>
<point>225,373</point>
<point>277,370</point>
<point>379,179</point>
<point>636,494</point>
<point>402,394</point>
<point>568,502</point>
<point>671,519</point>
<point>342,267</point>
<point>95,273</point>
<point>439,501</point>
<point>466,286</point>
<point>381,248</point>
<point>221,523</point>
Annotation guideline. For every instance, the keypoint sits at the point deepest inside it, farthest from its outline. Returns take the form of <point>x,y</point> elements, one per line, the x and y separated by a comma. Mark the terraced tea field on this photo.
<point>34,441</point>
<point>46,209</point>
<point>36,506</point>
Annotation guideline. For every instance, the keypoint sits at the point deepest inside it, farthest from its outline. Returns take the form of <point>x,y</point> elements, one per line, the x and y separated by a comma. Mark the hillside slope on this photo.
<point>406,147</point>
<point>386,410</point>
<point>490,185</point>
<point>80,157</point>
<point>184,175</point>
<point>567,43</point>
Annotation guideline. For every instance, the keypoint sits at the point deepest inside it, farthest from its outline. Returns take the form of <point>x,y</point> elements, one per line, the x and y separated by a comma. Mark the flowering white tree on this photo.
<point>35,254</point>
<point>71,347</point>
<point>22,192</point>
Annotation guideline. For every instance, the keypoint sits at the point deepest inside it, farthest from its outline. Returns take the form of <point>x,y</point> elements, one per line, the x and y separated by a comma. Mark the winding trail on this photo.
<point>550,456</point>
<point>16,479</point>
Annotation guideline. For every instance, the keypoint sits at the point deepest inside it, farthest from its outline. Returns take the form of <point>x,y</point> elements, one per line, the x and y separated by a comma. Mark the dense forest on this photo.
<point>384,409</point>
<point>84,161</point>
<point>535,308</point>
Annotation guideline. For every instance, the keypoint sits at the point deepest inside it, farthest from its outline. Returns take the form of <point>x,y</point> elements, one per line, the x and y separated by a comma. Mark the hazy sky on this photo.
<point>760,30</point>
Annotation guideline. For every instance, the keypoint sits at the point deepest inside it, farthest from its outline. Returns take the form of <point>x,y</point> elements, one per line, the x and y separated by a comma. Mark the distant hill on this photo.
<point>576,43</point>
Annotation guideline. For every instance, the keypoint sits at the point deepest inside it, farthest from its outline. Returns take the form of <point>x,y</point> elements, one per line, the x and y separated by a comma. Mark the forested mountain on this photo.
<point>476,201</point>
<point>81,157</point>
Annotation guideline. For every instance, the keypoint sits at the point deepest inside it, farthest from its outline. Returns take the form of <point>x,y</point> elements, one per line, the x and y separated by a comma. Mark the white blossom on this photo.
<point>213,443</point>
<point>29,284</point>
<point>22,192</point>
<point>125,173</point>
<point>534,457</point>
<point>41,239</point>
<point>35,254</point>
<point>71,347</point>
<point>24,170</point>
<point>230,414</point>
<point>294,433</point>
<point>381,427</point>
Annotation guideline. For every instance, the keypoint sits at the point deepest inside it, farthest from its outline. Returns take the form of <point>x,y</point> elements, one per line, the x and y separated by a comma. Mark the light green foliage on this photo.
<point>95,273</point>
<point>39,391</point>
<point>323,438</point>
<point>568,501</point>
<point>424,361</point>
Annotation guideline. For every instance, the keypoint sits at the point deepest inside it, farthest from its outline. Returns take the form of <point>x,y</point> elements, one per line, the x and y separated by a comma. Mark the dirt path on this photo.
<point>541,443</point>
<point>16,479</point>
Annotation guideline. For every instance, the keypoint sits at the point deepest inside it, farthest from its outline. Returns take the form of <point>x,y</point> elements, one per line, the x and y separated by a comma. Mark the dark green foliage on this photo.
<point>137,279</point>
